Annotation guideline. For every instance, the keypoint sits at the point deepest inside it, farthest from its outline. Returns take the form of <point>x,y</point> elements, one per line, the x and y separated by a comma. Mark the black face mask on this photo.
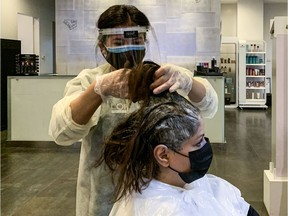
<point>200,161</point>
<point>126,59</point>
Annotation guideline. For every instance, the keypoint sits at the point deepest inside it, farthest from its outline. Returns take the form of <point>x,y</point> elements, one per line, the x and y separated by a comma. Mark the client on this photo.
<point>159,158</point>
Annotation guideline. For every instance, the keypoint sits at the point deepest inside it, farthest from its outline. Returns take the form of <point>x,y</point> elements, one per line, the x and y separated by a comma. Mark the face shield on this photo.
<point>126,47</point>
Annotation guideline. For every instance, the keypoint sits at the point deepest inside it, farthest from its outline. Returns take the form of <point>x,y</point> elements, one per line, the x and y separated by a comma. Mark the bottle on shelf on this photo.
<point>213,63</point>
<point>254,48</point>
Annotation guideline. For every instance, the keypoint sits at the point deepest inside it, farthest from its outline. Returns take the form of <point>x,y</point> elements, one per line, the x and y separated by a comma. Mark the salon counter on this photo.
<point>31,99</point>
<point>30,102</point>
<point>215,127</point>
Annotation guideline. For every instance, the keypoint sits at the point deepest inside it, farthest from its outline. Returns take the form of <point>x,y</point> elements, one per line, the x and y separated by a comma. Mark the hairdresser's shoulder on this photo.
<point>102,69</point>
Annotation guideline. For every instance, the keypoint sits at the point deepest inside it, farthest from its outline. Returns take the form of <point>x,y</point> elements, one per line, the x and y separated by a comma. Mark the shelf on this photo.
<point>249,101</point>
<point>256,76</point>
<point>255,53</point>
<point>257,88</point>
<point>253,106</point>
<point>252,78</point>
<point>255,64</point>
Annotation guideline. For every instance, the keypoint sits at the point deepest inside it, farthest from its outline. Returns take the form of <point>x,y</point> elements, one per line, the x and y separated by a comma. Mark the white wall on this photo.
<point>250,19</point>
<point>270,11</point>
<point>229,20</point>
<point>42,9</point>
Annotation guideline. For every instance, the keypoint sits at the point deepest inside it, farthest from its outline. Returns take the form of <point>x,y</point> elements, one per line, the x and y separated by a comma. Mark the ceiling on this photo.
<point>265,1</point>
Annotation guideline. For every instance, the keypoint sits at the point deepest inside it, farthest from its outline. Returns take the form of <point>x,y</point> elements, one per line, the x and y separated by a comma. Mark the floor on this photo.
<point>39,178</point>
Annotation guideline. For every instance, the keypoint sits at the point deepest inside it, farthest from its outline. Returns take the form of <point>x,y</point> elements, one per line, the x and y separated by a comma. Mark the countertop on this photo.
<point>44,76</point>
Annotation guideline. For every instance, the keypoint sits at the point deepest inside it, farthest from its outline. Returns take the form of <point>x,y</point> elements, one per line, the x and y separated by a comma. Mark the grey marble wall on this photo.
<point>188,31</point>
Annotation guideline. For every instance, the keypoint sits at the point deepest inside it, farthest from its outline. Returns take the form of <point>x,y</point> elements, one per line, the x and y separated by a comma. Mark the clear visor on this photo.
<point>135,39</point>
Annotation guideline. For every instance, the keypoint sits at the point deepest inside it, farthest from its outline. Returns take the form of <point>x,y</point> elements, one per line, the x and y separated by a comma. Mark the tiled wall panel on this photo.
<point>188,31</point>
<point>207,39</point>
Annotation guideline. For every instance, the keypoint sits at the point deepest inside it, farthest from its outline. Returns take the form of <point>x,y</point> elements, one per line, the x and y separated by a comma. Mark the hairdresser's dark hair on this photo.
<point>166,118</point>
<point>118,15</point>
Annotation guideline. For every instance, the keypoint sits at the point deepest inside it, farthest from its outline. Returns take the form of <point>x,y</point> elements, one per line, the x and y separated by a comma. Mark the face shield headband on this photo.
<point>123,47</point>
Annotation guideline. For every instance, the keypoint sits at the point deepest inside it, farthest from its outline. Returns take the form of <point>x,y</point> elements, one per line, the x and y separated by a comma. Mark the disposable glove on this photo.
<point>113,84</point>
<point>172,77</point>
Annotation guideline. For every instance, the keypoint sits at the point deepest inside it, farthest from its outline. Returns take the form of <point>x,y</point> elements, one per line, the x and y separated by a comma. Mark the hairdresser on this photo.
<point>97,99</point>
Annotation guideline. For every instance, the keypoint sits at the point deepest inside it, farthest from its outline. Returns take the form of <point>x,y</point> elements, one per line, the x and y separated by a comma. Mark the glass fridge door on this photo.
<point>229,68</point>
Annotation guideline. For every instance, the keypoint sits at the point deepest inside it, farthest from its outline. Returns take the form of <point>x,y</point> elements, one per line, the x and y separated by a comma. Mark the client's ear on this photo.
<point>160,154</point>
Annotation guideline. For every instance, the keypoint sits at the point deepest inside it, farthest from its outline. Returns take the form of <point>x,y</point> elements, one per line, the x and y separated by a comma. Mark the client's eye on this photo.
<point>201,143</point>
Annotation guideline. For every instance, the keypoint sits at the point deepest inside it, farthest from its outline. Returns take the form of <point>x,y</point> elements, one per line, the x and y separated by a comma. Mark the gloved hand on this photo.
<point>172,77</point>
<point>113,84</point>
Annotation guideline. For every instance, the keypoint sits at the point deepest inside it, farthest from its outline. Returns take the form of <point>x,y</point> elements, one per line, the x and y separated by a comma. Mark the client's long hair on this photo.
<point>166,118</point>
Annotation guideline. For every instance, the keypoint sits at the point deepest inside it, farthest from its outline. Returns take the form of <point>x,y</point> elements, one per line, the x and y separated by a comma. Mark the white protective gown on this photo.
<point>94,186</point>
<point>208,196</point>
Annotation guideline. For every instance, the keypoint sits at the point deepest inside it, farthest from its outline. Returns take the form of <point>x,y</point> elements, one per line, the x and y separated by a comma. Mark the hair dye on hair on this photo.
<point>166,118</point>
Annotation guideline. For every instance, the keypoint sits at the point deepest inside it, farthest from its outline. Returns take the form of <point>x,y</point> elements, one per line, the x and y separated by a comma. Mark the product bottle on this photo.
<point>250,59</point>
<point>213,63</point>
